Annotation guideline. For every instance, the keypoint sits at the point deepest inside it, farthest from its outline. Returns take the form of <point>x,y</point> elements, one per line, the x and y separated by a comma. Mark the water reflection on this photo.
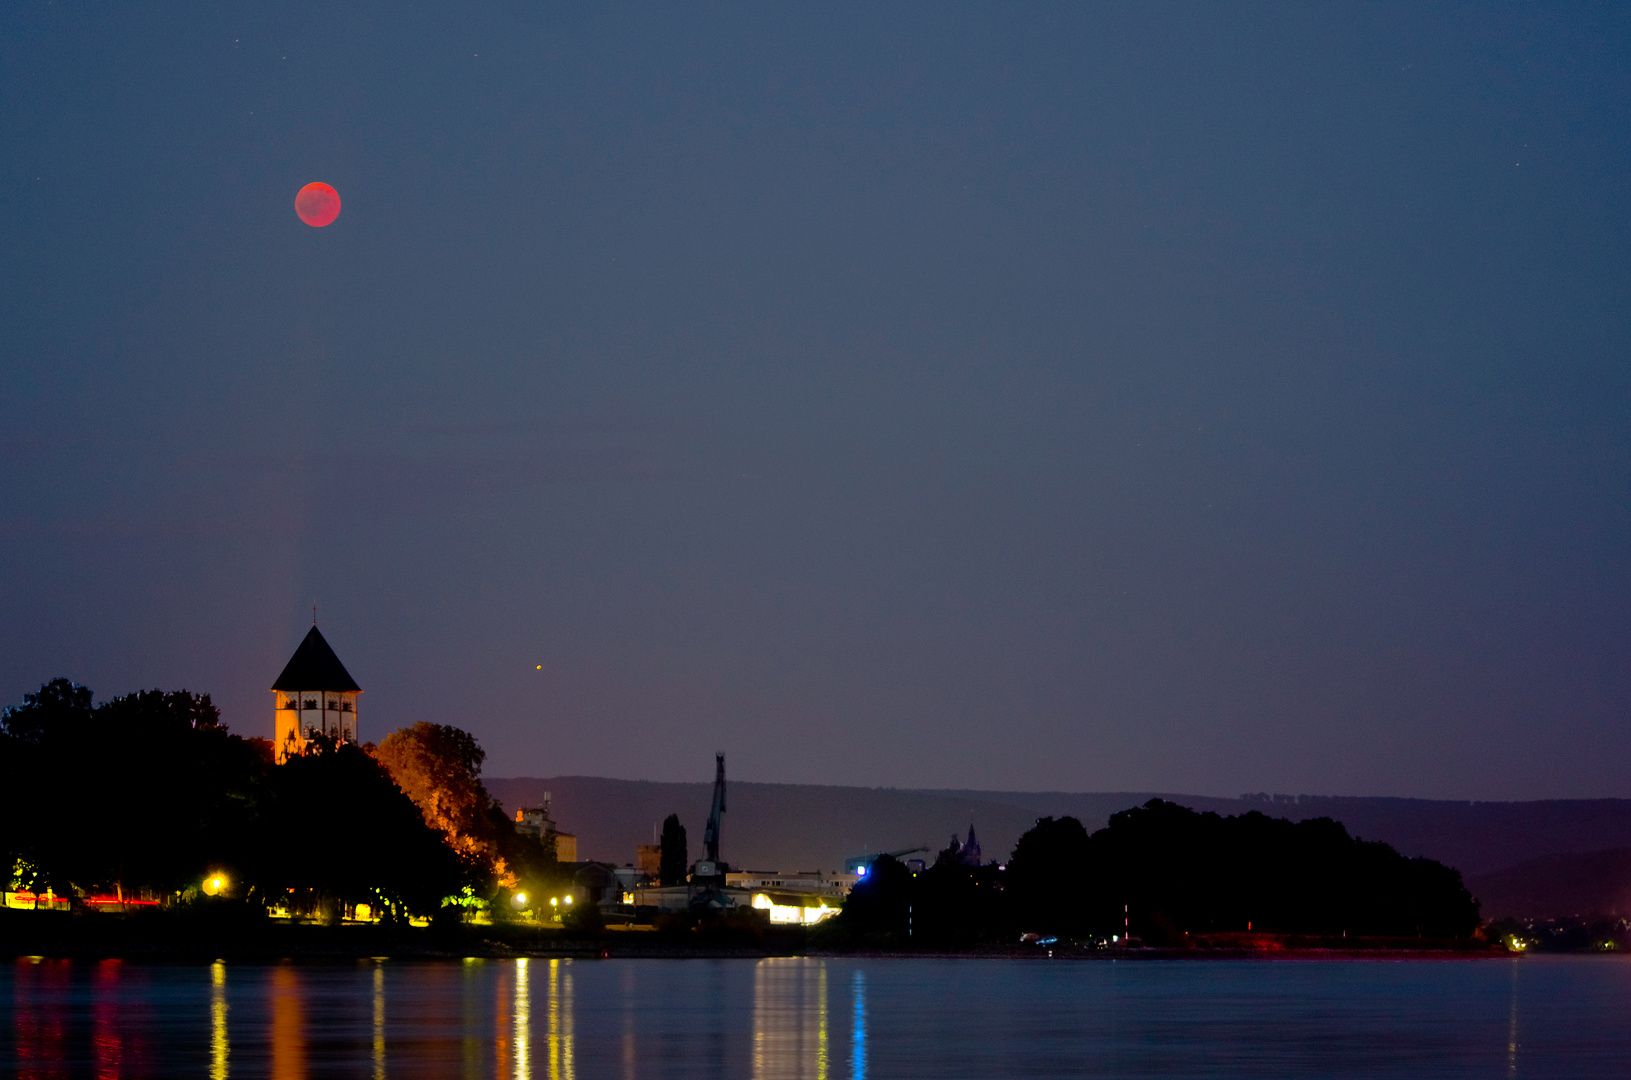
<point>629,1072</point>
<point>107,1048</point>
<point>857,1055</point>
<point>538,1019</point>
<point>475,978</point>
<point>523,1022</point>
<point>506,1024</point>
<point>218,1021</point>
<point>379,1022</point>
<point>561,1065</point>
<point>1512,1027</point>
<point>40,1018</point>
<point>790,1019</point>
<point>288,1025</point>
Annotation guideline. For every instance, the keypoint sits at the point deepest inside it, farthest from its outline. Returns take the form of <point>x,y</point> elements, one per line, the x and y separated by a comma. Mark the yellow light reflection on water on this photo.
<point>379,1022</point>
<point>1512,1028</point>
<point>472,1009</point>
<point>523,1022</point>
<point>561,1064</point>
<point>218,1021</point>
<point>514,1042</point>
<point>790,1019</point>
<point>288,1025</point>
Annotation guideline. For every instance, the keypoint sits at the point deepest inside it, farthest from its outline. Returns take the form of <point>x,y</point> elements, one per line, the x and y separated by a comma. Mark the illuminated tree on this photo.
<point>439,767</point>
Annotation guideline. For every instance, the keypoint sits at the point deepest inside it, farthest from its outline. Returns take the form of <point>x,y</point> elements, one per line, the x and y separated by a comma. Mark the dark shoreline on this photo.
<point>169,939</point>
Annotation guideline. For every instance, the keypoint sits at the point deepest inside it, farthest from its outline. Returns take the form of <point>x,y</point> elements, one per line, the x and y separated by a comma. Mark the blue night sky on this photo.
<point>1206,398</point>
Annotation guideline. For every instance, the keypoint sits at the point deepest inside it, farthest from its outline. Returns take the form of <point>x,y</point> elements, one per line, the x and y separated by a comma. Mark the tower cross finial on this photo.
<point>314,613</point>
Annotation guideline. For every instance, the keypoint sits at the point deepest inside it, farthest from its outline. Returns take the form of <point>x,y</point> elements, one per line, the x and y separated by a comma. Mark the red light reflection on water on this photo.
<point>107,1048</point>
<point>79,1020</point>
<point>40,1007</point>
<point>501,1037</point>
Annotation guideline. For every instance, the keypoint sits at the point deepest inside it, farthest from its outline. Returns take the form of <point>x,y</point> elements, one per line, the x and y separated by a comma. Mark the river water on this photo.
<point>840,1018</point>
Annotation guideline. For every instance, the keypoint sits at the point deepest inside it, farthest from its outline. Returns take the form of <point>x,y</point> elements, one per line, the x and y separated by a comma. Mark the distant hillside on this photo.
<point>810,827</point>
<point>1594,884</point>
<point>767,826</point>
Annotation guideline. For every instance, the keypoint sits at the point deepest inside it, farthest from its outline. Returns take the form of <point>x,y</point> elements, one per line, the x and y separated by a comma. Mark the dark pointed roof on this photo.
<point>315,667</point>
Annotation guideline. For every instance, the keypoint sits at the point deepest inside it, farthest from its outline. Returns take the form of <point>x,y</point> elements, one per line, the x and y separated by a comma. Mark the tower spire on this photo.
<point>315,693</point>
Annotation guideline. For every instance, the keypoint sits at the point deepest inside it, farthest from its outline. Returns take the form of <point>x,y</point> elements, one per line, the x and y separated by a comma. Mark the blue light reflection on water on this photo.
<point>857,1041</point>
<point>785,1018</point>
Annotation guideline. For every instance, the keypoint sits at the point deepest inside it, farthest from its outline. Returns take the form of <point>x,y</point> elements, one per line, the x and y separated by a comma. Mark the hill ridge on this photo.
<point>773,826</point>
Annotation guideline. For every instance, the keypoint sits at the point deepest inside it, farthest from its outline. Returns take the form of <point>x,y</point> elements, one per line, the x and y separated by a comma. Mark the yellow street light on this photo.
<point>520,899</point>
<point>215,884</point>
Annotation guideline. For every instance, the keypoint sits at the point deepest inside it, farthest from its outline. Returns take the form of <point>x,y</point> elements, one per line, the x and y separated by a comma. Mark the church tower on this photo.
<point>315,694</point>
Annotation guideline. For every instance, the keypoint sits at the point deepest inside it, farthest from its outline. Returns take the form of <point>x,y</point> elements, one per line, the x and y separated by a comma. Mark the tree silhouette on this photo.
<point>676,857</point>
<point>1173,868</point>
<point>1048,877</point>
<point>339,829</point>
<point>879,907</point>
<point>141,794</point>
<point>148,792</point>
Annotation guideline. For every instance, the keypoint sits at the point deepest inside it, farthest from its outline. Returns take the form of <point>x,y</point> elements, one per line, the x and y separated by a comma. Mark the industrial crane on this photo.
<point>708,875</point>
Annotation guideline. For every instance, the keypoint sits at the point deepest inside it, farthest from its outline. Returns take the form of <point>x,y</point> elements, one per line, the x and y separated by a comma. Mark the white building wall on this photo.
<point>300,713</point>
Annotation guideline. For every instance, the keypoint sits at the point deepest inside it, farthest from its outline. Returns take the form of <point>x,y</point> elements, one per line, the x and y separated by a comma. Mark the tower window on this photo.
<point>311,703</point>
<point>345,706</point>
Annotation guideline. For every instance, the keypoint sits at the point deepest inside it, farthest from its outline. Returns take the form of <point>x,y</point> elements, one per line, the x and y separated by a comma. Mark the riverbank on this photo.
<point>186,937</point>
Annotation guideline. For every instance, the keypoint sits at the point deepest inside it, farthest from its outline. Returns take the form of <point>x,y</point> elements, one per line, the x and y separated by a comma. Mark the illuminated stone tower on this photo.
<point>315,695</point>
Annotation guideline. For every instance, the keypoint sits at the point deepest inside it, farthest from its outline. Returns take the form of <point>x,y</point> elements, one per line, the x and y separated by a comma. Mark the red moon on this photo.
<point>317,204</point>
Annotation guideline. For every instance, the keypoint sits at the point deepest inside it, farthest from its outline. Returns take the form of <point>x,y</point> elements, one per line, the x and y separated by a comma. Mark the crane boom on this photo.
<point>710,836</point>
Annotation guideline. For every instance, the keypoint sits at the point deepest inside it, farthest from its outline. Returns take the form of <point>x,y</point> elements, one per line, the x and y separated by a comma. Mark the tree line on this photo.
<point>148,793</point>
<point>1165,873</point>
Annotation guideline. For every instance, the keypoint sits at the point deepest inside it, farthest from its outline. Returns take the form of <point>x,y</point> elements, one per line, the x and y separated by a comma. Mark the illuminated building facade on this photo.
<point>316,695</point>
<point>965,854</point>
<point>801,899</point>
<point>811,883</point>
<point>535,821</point>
